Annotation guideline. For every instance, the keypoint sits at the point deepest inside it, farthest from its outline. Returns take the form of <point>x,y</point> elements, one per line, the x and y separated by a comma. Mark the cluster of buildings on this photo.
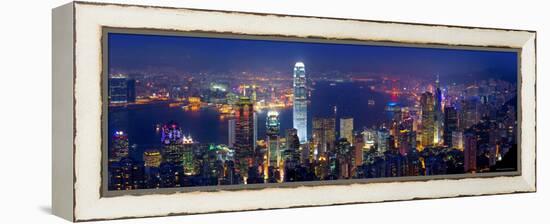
<point>453,130</point>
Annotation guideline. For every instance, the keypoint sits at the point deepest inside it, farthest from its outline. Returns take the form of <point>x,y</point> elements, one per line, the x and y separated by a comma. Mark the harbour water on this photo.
<point>206,126</point>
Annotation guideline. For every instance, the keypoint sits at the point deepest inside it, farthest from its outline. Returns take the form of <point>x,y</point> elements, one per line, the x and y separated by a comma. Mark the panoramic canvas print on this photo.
<point>193,111</point>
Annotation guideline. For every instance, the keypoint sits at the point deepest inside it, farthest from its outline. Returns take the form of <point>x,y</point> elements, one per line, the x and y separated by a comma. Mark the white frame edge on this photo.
<point>90,18</point>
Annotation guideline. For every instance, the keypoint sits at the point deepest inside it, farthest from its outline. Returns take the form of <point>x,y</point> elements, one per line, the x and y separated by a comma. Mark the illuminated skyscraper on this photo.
<point>428,117</point>
<point>172,143</point>
<point>324,134</point>
<point>470,113</point>
<point>345,158</point>
<point>119,147</point>
<point>299,110</point>
<point>122,89</point>
<point>190,165</point>
<point>292,144</point>
<point>450,125</point>
<point>369,138</point>
<point>346,129</point>
<point>152,158</point>
<point>118,88</point>
<point>272,130</point>
<point>383,136</point>
<point>358,151</point>
<point>244,135</point>
<point>406,140</point>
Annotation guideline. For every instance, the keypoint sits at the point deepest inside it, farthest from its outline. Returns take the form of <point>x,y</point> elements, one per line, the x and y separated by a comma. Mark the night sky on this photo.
<point>176,54</point>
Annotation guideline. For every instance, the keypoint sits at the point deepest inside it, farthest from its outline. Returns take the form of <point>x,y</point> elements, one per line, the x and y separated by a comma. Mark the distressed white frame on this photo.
<point>89,19</point>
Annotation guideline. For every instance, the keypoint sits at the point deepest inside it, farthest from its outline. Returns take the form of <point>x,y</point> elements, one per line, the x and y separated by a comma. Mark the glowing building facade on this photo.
<point>244,135</point>
<point>324,134</point>
<point>118,89</point>
<point>428,119</point>
<point>152,158</point>
<point>172,142</point>
<point>272,130</point>
<point>346,129</point>
<point>299,110</point>
<point>120,146</point>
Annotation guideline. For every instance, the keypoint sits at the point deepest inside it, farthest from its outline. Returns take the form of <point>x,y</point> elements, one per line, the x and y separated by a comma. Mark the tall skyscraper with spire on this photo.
<point>299,110</point>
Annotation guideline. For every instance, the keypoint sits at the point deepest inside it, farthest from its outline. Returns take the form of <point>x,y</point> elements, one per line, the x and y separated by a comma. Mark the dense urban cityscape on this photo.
<point>227,128</point>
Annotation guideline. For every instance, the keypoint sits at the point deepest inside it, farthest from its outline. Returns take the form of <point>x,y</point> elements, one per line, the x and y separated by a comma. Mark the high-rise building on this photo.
<point>470,152</point>
<point>190,165</point>
<point>369,138</point>
<point>450,125</point>
<point>231,132</point>
<point>470,113</point>
<point>118,88</point>
<point>382,137</point>
<point>406,140</point>
<point>292,144</point>
<point>120,146</point>
<point>324,134</point>
<point>244,135</point>
<point>438,113</point>
<point>272,131</point>
<point>457,141</point>
<point>152,158</point>
<point>428,117</point>
<point>344,158</point>
<point>125,175</point>
<point>346,129</point>
<point>299,110</point>
<point>358,151</point>
<point>172,143</point>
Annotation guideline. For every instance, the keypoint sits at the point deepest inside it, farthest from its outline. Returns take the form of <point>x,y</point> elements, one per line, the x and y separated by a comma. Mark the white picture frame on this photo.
<point>77,110</point>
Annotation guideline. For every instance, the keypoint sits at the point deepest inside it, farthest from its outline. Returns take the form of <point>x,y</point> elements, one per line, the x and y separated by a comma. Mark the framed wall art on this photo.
<point>171,111</point>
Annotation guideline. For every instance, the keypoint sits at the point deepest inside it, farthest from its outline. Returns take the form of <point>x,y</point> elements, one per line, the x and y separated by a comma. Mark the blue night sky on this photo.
<point>146,53</point>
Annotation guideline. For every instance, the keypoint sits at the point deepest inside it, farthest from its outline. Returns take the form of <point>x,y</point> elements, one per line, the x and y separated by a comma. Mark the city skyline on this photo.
<point>299,125</point>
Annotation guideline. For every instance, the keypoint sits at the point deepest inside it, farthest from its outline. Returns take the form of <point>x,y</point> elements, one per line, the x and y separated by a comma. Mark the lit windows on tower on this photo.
<point>299,110</point>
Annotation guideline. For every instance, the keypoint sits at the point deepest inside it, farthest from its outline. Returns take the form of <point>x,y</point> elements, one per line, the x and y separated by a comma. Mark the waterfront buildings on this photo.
<point>118,90</point>
<point>121,89</point>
